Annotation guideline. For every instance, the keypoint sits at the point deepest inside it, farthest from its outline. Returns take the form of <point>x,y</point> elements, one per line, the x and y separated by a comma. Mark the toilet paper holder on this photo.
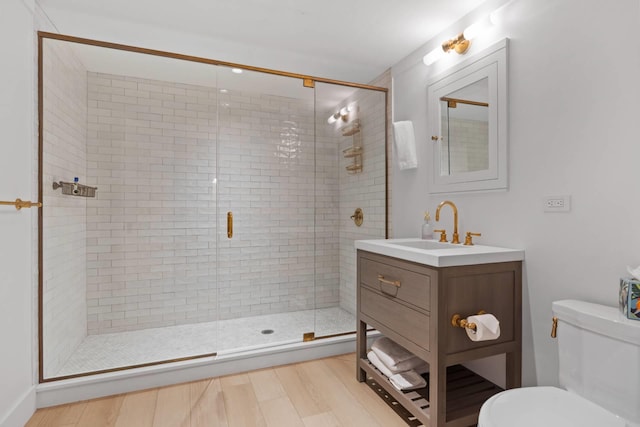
<point>461,322</point>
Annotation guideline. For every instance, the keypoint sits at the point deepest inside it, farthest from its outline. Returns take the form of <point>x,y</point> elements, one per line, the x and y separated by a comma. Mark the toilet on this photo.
<point>599,372</point>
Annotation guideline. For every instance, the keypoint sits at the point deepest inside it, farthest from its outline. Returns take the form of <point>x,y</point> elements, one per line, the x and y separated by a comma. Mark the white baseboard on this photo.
<point>22,411</point>
<point>91,387</point>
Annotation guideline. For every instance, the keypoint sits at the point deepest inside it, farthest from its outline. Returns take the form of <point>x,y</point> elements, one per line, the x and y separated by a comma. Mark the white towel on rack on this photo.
<point>409,380</point>
<point>373,358</point>
<point>397,358</point>
<point>405,144</point>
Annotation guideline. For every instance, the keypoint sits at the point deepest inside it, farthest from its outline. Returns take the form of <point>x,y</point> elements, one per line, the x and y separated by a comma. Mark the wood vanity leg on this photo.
<point>513,369</point>
<point>438,394</point>
<point>361,350</point>
<point>514,359</point>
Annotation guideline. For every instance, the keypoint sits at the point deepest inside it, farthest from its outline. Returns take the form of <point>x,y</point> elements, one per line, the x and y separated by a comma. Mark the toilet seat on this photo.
<point>544,406</point>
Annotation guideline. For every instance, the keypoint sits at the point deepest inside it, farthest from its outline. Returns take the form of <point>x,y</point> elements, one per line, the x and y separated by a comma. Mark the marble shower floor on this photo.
<point>114,350</point>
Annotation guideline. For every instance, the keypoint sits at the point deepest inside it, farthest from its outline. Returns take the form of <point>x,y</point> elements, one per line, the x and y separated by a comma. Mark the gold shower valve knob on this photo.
<point>358,217</point>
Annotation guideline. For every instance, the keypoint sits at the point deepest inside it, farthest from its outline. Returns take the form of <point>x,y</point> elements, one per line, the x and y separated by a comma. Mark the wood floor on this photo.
<point>318,393</point>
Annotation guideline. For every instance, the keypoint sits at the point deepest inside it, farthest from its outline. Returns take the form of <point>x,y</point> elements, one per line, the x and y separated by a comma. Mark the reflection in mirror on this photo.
<point>465,129</point>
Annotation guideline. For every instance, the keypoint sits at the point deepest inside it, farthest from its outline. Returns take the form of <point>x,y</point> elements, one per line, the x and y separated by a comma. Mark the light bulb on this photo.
<point>474,30</point>
<point>344,111</point>
<point>236,70</point>
<point>331,119</point>
<point>433,56</point>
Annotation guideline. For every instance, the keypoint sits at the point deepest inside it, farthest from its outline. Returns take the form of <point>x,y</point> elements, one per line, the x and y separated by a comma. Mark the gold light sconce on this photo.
<point>460,43</point>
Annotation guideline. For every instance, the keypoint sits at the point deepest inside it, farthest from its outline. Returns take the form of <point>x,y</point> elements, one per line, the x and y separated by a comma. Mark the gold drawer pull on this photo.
<point>395,283</point>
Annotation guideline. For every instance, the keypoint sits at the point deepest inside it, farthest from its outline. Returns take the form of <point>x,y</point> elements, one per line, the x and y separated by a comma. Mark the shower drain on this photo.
<point>266,331</point>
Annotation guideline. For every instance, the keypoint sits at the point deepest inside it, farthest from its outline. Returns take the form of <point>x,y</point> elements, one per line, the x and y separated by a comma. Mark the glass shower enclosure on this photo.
<point>194,208</point>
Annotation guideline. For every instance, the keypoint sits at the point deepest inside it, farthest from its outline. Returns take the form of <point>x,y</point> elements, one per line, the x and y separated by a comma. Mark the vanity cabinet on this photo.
<point>413,305</point>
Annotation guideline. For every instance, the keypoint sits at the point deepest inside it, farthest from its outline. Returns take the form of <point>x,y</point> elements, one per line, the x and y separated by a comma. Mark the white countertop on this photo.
<point>437,254</point>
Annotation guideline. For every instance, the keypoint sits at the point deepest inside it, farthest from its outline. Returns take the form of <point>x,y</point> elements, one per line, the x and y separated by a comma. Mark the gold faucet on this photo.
<point>456,238</point>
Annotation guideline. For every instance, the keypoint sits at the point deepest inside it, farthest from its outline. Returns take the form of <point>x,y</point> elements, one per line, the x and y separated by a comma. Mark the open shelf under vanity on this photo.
<point>466,392</point>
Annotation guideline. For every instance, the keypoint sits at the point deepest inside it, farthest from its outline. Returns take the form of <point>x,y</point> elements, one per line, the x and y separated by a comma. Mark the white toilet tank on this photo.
<point>599,351</point>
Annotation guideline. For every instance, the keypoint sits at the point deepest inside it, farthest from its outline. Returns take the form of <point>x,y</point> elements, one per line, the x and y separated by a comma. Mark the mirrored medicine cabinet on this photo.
<point>467,118</point>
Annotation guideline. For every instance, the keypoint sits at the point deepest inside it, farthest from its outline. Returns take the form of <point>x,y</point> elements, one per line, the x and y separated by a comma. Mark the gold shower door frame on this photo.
<point>307,81</point>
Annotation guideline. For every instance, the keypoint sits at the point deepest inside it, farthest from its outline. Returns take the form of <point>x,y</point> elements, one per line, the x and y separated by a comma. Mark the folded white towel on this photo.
<point>390,352</point>
<point>422,368</point>
<point>405,145</point>
<point>397,358</point>
<point>373,358</point>
<point>409,380</point>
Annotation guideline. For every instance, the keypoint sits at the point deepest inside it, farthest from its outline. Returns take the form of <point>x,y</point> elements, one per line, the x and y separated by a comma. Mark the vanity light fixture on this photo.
<point>461,42</point>
<point>343,114</point>
<point>333,118</point>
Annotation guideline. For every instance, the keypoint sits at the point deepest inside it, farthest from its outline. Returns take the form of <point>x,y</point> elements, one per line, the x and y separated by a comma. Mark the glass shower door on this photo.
<point>266,196</point>
<point>351,178</point>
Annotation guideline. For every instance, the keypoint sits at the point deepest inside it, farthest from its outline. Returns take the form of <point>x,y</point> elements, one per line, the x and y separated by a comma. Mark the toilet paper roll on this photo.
<point>487,327</point>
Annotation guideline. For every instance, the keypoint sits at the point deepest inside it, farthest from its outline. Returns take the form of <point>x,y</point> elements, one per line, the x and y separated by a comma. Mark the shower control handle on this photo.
<point>358,217</point>
<point>230,224</point>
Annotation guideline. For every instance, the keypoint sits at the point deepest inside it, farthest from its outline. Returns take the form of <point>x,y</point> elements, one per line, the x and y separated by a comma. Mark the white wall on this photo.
<point>17,266</point>
<point>573,129</point>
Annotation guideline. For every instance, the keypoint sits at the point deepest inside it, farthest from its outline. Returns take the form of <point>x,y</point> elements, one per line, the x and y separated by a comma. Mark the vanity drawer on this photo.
<point>397,282</point>
<point>405,321</point>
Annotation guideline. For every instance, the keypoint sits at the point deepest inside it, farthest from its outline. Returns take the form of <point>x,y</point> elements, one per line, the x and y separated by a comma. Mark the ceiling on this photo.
<point>353,40</point>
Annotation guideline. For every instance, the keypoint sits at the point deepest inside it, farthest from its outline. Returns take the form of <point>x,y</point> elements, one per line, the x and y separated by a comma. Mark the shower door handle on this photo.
<point>229,224</point>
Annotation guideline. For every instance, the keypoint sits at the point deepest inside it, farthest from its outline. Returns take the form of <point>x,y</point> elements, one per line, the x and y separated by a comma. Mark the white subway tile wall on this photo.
<point>152,154</point>
<point>152,228</point>
<point>266,178</point>
<point>327,214</point>
<point>64,219</point>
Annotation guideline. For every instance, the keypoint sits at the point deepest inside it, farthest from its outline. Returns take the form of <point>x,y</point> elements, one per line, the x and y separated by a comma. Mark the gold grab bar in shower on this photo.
<point>19,204</point>
<point>229,224</point>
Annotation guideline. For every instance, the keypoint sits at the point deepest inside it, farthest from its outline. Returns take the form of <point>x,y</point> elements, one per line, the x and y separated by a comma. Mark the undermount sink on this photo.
<point>437,254</point>
<point>427,244</point>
